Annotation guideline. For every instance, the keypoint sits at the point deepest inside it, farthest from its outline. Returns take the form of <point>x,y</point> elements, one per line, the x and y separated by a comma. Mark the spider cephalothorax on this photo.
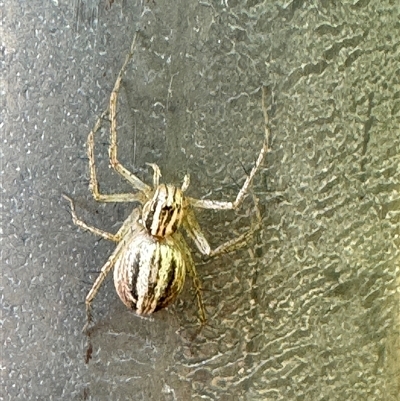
<point>162,214</point>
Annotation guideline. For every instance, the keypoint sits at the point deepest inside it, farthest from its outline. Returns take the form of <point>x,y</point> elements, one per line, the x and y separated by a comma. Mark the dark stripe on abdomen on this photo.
<point>166,299</point>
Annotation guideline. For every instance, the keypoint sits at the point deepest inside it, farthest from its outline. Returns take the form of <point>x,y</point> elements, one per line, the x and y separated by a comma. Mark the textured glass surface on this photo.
<point>310,309</point>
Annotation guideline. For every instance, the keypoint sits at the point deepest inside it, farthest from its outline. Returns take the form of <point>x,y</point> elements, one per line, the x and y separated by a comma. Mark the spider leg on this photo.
<point>116,165</point>
<point>193,230</point>
<point>197,287</point>
<point>93,183</point>
<point>99,281</point>
<point>217,205</point>
<point>126,226</point>
<point>243,239</point>
<point>94,230</point>
<point>129,226</point>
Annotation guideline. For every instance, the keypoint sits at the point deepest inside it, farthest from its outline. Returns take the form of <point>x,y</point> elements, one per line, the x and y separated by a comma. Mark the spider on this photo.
<point>151,257</point>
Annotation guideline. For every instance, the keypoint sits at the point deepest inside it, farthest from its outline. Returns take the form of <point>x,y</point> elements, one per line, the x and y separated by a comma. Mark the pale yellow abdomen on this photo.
<point>149,273</point>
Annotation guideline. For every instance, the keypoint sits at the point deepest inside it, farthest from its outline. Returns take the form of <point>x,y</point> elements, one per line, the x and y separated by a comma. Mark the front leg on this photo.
<point>113,150</point>
<point>217,205</point>
<point>94,184</point>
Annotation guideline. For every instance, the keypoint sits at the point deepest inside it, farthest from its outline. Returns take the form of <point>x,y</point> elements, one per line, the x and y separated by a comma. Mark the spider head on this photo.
<point>162,214</point>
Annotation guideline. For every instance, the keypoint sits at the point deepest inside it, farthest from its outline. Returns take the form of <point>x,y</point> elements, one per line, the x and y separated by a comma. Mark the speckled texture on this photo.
<point>311,310</point>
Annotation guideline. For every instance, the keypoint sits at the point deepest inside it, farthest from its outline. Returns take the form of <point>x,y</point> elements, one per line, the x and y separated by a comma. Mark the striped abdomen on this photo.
<point>149,273</point>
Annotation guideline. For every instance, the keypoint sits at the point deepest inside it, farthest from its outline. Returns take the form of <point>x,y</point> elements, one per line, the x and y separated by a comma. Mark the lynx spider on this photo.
<point>140,232</point>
